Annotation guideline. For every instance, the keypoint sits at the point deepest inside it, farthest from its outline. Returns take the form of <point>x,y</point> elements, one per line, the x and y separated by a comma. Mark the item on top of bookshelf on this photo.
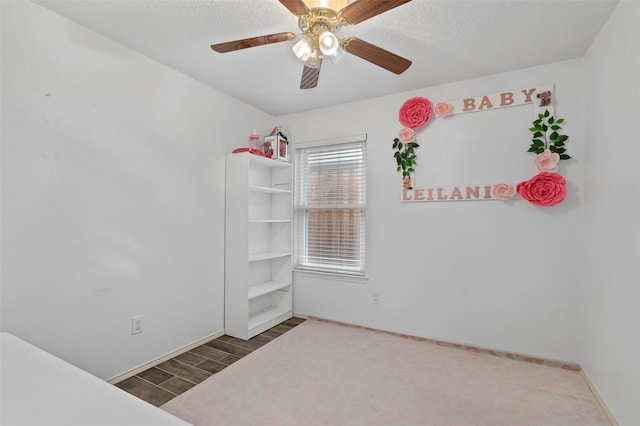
<point>280,146</point>
<point>283,149</point>
<point>251,150</point>
<point>267,148</point>
<point>254,140</point>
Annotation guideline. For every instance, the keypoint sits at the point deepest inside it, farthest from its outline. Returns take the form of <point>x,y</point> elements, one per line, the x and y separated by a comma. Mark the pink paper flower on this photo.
<point>547,161</point>
<point>502,191</point>
<point>407,135</point>
<point>443,109</point>
<point>415,112</point>
<point>545,189</point>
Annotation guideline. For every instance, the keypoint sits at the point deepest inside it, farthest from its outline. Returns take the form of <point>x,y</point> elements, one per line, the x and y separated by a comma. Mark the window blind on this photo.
<point>330,207</point>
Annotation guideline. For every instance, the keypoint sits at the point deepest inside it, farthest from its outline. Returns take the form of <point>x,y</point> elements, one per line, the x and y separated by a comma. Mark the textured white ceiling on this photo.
<point>446,40</point>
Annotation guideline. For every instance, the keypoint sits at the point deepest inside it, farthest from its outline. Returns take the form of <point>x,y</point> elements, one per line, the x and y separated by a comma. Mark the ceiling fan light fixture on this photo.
<point>328,43</point>
<point>303,48</point>
<point>338,55</point>
<point>315,60</point>
<point>319,21</point>
<point>327,4</point>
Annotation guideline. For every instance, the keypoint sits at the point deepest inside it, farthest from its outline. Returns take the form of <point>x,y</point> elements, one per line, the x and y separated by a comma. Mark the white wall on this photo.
<point>612,212</point>
<point>112,206</point>
<point>492,274</point>
<point>112,194</point>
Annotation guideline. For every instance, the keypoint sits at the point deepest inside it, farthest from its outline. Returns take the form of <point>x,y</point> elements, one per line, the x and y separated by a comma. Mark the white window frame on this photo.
<point>323,271</point>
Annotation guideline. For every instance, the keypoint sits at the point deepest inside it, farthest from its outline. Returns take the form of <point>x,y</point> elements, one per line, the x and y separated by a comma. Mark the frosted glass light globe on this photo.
<point>303,48</point>
<point>328,42</point>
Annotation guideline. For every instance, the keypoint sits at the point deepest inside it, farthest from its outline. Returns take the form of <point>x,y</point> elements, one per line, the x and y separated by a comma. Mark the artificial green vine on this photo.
<point>405,156</point>
<point>541,140</point>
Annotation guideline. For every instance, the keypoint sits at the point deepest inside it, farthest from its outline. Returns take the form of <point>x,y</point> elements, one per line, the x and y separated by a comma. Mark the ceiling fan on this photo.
<point>319,21</point>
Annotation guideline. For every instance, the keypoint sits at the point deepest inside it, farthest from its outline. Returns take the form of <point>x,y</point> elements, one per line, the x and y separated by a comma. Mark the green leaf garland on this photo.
<point>542,139</point>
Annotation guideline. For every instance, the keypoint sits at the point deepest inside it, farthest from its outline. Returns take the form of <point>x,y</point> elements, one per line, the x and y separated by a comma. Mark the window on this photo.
<point>330,207</point>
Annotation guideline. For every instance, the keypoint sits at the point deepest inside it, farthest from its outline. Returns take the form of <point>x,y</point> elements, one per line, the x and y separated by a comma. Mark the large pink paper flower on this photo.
<point>407,135</point>
<point>442,109</point>
<point>547,161</point>
<point>415,112</point>
<point>545,189</point>
<point>502,191</point>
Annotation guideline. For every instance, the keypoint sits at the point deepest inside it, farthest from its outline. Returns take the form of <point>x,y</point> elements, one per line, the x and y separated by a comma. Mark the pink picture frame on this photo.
<point>282,149</point>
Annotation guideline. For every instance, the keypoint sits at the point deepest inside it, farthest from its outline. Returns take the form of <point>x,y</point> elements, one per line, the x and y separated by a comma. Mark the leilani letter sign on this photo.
<point>547,188</point>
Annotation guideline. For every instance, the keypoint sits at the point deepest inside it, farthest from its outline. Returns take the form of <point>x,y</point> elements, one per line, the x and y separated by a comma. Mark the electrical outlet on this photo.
<point>136,325</point>
<point>375,297</point>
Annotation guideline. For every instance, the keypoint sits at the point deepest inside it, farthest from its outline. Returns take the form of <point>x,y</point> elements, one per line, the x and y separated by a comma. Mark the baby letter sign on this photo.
<point>542,99</point>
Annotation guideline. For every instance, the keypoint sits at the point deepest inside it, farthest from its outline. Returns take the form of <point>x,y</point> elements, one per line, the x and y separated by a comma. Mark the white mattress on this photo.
<point>36,388</point>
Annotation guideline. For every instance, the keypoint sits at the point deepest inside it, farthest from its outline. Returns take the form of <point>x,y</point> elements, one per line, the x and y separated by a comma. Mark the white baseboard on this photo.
<point>301,316</point>
<point>129,373</point>
<point>596,394</point>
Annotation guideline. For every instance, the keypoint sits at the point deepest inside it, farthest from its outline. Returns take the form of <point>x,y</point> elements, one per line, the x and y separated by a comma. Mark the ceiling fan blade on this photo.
<point>361,10</point>
<point>297,7</point>
<point>230,46</point>
<point>310,77</point>
<point>376,55</point>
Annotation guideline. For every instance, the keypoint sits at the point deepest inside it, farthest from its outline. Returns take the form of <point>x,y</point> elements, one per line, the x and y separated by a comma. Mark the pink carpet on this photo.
<point>321,373</point>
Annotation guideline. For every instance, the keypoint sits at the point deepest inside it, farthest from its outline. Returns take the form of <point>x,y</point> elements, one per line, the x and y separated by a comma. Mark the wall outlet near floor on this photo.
<point>136,325</point>
<point>375,297</point>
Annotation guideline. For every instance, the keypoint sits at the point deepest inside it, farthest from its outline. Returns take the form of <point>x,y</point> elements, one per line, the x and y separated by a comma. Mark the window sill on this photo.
<point>331,276</point>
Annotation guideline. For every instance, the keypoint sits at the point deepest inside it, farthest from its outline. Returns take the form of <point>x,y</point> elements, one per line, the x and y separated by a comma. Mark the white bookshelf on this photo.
<point>258,276</point>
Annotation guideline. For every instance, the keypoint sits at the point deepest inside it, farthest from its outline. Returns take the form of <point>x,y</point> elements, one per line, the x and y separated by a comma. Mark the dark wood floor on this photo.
<point>169,379</point>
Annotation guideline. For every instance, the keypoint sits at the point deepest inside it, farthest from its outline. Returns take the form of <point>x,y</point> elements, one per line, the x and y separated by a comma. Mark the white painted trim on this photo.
<point>332,141</point>
<point>301,316</point>
<point>358,279</point>
<point>596,394</point>
<point>130,373</point>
